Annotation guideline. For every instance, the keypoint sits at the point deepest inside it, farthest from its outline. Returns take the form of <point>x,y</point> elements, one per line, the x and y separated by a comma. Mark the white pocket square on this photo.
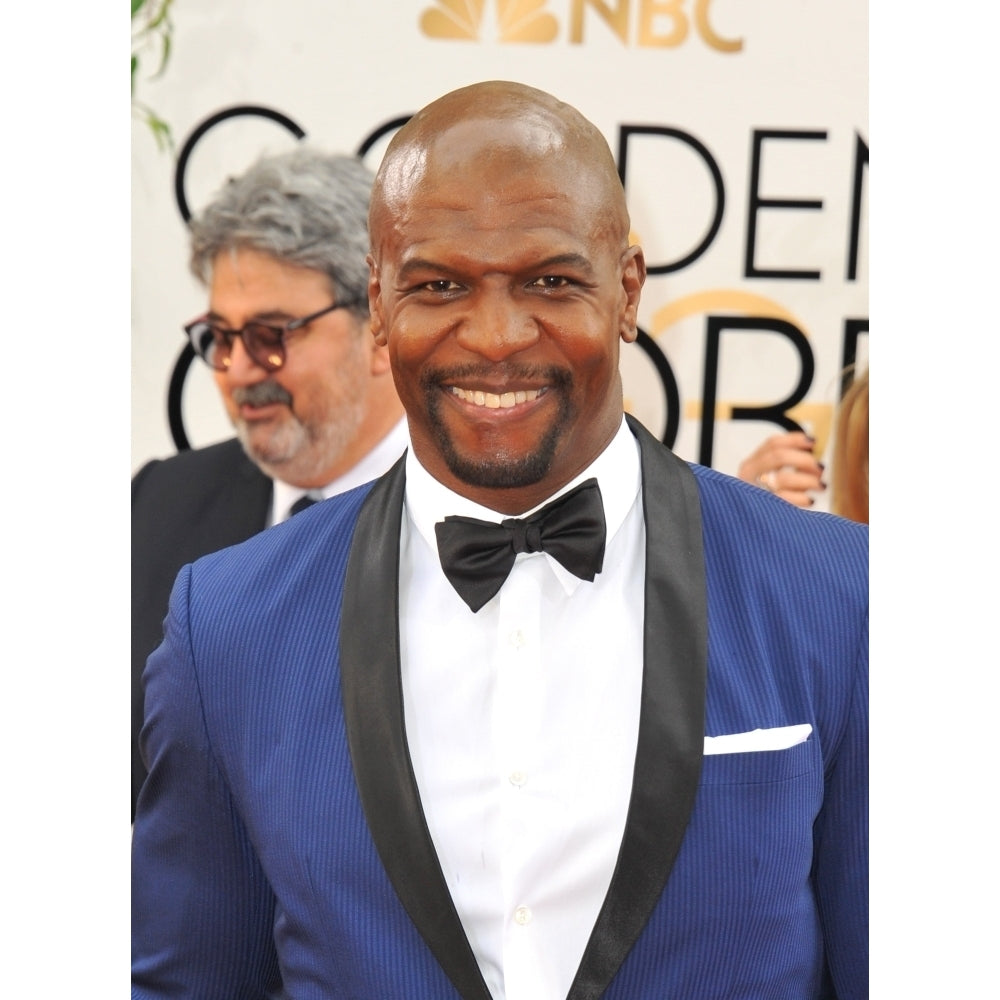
<point>760,739</point>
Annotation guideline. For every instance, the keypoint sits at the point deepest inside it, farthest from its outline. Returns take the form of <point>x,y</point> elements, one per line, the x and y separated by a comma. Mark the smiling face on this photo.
<point>329,403</point>
<point>502,283</point>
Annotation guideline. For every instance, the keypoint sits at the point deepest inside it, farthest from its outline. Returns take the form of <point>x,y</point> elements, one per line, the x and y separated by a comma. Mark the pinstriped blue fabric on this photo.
<point>788,637</point>
<point>743,894</point>
<point>254,866</point>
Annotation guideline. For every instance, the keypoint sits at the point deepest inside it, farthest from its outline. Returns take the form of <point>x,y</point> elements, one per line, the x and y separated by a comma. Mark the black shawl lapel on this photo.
<point>373,710</point>
<point>672,715</point>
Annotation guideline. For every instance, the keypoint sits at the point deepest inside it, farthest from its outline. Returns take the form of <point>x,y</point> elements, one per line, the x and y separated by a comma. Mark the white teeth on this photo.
<point>494,402</point>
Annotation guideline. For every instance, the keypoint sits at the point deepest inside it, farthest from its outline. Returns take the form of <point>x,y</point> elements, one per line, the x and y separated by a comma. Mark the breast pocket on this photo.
<point>758,807</point>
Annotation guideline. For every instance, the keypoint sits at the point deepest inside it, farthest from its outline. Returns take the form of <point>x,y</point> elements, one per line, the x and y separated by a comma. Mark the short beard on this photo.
<point>298,452</point>
<point>500,470</point>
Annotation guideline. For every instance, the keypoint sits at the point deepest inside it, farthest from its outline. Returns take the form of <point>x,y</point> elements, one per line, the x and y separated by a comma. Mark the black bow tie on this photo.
<point>477,556</point>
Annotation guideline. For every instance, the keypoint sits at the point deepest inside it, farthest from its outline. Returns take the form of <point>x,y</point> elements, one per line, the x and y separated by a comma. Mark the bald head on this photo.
<point>499,132</point>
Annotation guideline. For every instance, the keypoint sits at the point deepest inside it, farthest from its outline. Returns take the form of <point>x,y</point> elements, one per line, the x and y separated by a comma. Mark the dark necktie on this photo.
<point>477,556</point>
<point>300,505</point>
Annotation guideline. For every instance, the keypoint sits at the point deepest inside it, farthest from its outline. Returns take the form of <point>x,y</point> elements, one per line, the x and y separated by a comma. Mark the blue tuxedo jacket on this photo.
<point>280,849</point>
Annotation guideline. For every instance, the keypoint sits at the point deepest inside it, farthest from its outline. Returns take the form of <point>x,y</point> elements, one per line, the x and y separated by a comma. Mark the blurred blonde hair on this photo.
<point>850,453</point>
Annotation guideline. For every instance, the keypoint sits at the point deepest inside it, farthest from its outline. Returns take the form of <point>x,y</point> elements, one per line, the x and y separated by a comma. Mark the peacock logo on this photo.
<point>645,24</point>
<point>516,21</point>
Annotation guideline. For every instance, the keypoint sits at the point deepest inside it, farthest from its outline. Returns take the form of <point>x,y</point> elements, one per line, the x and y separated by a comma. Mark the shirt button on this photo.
<point>518,778</point>
<point>516,638</point>
<point>522,916</point>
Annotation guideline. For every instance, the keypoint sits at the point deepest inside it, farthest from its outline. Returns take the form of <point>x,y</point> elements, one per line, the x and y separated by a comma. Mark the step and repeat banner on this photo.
<point>740,129</point>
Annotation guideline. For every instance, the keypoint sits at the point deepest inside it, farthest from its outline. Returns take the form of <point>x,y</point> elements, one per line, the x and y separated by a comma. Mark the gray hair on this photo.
<point>305,207</point>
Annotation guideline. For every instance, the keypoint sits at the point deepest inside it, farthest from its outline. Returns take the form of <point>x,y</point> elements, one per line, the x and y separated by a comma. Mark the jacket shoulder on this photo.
<point>224,458</point>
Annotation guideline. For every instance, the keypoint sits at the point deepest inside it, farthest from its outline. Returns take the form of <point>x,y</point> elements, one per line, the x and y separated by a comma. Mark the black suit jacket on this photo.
<point>183,507</point>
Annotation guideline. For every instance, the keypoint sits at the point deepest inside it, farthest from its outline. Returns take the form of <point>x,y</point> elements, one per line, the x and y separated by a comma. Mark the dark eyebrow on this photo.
<point>574,260</point>
<point>415,264</point>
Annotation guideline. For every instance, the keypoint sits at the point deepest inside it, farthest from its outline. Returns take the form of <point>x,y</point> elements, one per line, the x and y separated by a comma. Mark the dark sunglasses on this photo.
<point>264,342</point>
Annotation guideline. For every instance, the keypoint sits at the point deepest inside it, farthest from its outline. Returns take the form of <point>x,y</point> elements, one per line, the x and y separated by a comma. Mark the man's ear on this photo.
<point>633,278</point>
<point>375,303</point>
<point>380,359</point>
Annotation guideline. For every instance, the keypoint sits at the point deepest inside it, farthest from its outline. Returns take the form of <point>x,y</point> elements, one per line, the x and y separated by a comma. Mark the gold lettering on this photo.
<point>616,19</point>
<point>708,34</point>
<point>650,12</point>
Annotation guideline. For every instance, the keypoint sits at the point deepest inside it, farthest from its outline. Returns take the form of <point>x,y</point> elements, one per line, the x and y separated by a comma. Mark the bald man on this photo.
<point>595,723</point>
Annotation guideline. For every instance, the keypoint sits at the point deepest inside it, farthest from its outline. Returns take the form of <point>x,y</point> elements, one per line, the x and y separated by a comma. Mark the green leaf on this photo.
<point>164,57</point>
<point>161,16</point>
<point>161,133</point>
<point>152,28</point>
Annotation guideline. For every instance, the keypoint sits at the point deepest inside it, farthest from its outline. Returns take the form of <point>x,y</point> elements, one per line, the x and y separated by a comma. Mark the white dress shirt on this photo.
<point>377,461</point>
<point>522,723</point>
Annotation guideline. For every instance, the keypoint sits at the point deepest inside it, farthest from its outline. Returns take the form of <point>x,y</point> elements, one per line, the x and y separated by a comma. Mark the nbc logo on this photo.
<point>642,23</point>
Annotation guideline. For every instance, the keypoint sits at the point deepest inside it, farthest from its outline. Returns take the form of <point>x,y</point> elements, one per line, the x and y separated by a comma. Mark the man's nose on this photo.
<point>497,326</point>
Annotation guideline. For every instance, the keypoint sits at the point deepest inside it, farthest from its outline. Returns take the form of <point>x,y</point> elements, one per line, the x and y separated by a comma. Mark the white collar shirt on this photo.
<point>371,466</point>
<point>522,722</point>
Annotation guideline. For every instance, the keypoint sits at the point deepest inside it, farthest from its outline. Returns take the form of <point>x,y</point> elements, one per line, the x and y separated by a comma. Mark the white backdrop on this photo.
<point>742,126</point>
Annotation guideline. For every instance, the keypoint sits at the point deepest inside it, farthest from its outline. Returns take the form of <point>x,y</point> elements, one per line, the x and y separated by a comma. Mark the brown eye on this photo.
<point>551,281</point>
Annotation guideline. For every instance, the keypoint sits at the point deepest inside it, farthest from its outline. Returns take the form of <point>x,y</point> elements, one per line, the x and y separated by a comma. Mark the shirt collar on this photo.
<point>617,470</point>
